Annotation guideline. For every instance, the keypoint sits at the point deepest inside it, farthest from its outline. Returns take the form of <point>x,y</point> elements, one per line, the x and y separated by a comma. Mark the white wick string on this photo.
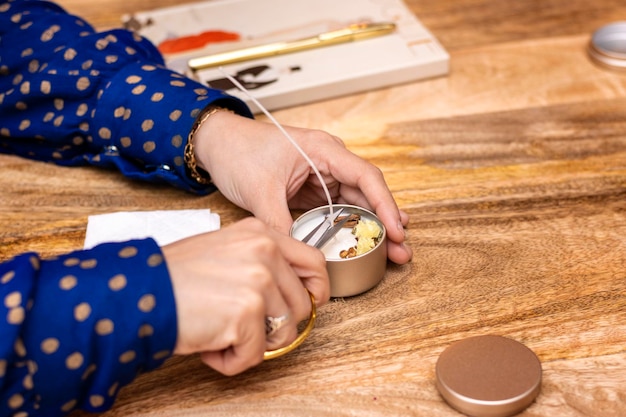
<point>284,132</point>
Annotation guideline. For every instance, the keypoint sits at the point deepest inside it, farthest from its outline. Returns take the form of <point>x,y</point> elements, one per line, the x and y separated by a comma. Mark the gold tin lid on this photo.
<point>607,46</point>
<point>488,376</point>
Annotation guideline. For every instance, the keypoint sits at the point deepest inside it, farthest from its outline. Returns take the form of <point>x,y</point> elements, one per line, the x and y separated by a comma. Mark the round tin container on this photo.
<point>348,276</point>
<point>488,376</point>
<point>608,46</point>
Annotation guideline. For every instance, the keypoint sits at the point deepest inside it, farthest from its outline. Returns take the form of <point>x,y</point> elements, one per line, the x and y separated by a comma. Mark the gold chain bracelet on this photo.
<point>198,174</point>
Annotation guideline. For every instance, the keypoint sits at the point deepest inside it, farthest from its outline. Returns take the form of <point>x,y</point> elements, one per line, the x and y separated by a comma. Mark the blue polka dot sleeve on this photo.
<point>74,96</point>
<point>77,328</point>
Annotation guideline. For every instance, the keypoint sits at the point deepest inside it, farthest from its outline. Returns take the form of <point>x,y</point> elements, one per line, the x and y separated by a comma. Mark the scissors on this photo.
<point>325,230</point>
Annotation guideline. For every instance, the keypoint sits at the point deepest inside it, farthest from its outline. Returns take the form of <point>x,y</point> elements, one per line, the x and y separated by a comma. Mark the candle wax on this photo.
<point>343,240</point>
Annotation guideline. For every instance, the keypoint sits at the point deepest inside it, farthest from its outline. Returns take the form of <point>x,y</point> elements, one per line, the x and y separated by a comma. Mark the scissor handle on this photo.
<point>271,354</point>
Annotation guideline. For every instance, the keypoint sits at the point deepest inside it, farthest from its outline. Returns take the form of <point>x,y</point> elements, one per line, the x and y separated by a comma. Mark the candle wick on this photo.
<point>285,133</point>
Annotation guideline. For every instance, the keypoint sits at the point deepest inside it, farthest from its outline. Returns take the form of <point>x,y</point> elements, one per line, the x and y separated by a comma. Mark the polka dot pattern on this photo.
<point>84,92</point>
<point>91,319</point>
<point>101,315</point>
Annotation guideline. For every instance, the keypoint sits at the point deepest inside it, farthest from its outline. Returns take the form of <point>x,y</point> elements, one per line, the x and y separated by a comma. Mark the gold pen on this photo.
<point>348,34</point>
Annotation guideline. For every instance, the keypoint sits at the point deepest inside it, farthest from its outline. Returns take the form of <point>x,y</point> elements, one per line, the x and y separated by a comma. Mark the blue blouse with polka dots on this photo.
<point>75,329</point>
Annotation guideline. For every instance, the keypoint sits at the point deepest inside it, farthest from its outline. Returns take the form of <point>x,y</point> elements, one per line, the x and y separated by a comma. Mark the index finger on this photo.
<point>308,263</point>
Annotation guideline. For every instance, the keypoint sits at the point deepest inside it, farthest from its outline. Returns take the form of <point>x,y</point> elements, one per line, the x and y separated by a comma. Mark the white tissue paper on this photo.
<point>164,226</point>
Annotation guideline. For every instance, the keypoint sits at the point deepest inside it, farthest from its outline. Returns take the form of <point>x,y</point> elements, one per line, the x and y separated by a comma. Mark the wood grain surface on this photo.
<point>513,169</point>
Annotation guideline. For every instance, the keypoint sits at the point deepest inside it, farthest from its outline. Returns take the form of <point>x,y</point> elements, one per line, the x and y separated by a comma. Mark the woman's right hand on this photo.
<point>227,282</point>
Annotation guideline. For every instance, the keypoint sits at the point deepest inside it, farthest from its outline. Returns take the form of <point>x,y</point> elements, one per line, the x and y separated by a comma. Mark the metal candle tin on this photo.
<point>488,376</point>
<point>348,276</point>
<point>607,46</point>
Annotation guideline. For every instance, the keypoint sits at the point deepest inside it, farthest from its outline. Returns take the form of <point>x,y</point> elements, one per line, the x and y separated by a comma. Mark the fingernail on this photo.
<point>408,250</point>
<point>401,228</point>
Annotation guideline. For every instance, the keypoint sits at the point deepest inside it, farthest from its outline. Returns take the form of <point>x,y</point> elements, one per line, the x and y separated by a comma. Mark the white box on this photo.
<point>410,53</point>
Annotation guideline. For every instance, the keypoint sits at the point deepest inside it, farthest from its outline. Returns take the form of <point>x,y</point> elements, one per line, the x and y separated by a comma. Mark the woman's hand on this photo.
<point>256,167</point>
<point>227,282</point>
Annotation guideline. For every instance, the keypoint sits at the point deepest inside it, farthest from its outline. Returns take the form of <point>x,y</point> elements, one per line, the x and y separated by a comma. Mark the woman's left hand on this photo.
<point>257,168</point>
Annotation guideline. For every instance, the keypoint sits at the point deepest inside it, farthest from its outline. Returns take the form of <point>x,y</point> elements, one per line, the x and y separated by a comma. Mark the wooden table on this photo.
<point>513,169</point>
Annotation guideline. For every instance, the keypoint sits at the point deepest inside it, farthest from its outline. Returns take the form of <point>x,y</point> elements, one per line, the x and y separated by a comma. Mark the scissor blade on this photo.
<point>316,234</point>
<point>330,233</point>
